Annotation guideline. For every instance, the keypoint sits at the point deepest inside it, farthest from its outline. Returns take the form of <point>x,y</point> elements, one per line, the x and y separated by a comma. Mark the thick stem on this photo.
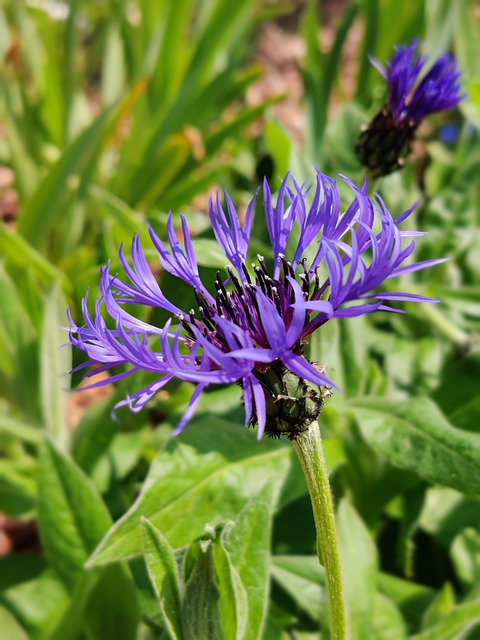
<point>308,446</point>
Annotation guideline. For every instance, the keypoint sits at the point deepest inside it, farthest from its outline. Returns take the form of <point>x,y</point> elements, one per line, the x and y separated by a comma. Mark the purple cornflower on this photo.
<point>413,100</point>
<point>387,140</point>
<point>253,328</point>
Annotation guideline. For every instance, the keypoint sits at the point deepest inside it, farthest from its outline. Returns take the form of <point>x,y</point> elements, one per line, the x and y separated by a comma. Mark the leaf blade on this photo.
<point>163,572</point>
<point>415,435</point>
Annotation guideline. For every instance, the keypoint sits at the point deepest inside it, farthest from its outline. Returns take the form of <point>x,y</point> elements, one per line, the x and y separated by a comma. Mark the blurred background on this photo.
<point>112,113</point>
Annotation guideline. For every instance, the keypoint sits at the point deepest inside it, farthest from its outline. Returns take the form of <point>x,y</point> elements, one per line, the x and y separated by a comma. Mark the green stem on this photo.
<point>308,446</point>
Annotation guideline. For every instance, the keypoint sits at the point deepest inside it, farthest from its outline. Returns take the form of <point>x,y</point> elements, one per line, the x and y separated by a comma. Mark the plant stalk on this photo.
<point>308,446</point>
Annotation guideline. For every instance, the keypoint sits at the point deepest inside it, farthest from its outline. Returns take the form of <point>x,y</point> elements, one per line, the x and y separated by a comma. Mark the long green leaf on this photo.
<point>415,435</point>
<point>18,350</point>
<point>22,255</point>
<point>55,364</point>
<point>371,10</point>
<point>10,626</point>
<point>249,548</point>
<point>303,578</point>
<point>72,516</point>
<point>359,568</point>
<point>112,610</point>
<point>454,625</point>
<point>233,596</point>
<point>163,571</point>
<point>21,430</point>
<point>72,520</point>
<point>201,615</point>
<point>209,472</point>
<point>48,202</point>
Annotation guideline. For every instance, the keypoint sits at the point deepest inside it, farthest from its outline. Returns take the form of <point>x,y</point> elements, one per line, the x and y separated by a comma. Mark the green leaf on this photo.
<point>249,548</point>
<point>462,407</point>
<point>72,516</point>
<point>232,128</point>
<point>201,611</point>
<point>446,512</point>
<point>353,350</point>
<point>104,604</point>
<point>19,139</point>
<point>72,520</point>
<point>17,486</point>
<point>227,572</point>
<point>415,435</point>
<point>52,94</point>
<point>278,622</point>
<point>303,579</point>
<point>465,554</point>
<point>113,71</point>
<point>388,623</point>
<point>233,596</point>
<point>11,629</point>
<point>209,253</point>
<point>48,201</point>
<point>441,605</point>
<point>19,429</point>
<point>371,35</point>
<point>173,55</point>
<point>333,62</point>
<point>412,599</point>
<point>32,592</point>
<point>454,624</point>
<point>112,610</point>
<point>163,571</point>
<point>18,349</point>
<point>191,478</point>
<point>117,211</point>
<point>467,46</point>
<point>313,79</point>
<point>72,621</point>
<point>55,364</point>
<point>359,569</point>
<point>22,255</point>
<point>440,21</point>
<point>344,346</point>
<point>94,434</point>
<point>279,145</point>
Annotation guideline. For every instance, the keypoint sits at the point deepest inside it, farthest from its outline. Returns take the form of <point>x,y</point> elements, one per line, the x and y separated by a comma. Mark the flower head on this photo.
<point>412,99</point>
<point>253,327</point>
<point>386,141</point>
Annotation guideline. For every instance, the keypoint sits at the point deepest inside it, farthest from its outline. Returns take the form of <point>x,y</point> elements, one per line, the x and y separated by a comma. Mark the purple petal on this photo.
<point>260,405</point>
<point>416,266</point>
<point>272,323</point>
<point>405,297</point>
<point>187,416</point>
<point>303,369</point>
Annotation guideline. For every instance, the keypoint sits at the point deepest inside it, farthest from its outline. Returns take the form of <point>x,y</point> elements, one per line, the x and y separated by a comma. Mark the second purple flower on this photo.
<point>413,94</point>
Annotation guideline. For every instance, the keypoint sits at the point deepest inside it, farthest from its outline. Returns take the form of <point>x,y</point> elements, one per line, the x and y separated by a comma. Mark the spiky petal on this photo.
<point>387,140</point>
<point>252,326</point>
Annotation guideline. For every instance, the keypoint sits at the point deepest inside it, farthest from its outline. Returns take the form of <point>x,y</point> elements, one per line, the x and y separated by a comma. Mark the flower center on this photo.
<point>236,300</point>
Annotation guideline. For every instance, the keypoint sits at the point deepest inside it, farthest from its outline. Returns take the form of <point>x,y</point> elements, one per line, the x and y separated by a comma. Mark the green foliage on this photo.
<point>116,112</point>
<point>218,587</point>
<point>191,477</point>
<point>415,435</point>
<point>72,521</point>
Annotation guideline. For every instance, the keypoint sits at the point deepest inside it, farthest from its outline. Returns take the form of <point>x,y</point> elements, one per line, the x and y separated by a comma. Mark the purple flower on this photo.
<point>411,97</point>
<point>252,329</point>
